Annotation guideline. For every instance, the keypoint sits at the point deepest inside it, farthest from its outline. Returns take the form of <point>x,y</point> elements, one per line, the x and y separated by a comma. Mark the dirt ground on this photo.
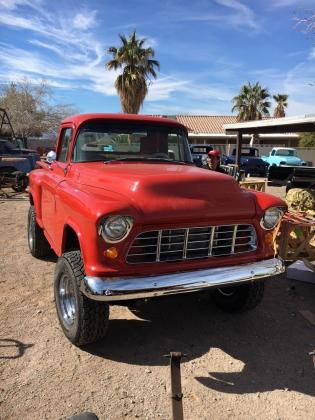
<point>247,366</point>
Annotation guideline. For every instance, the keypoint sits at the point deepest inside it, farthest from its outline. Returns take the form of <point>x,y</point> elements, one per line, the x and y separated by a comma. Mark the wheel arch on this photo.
<point>70,239</point>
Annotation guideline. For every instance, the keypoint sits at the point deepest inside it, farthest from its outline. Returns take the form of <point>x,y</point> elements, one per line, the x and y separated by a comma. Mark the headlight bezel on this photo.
<point>268,226</point>
<point>105,222</point>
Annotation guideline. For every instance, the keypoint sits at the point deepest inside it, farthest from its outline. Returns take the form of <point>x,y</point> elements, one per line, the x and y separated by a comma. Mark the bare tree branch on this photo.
<point>30,108</point>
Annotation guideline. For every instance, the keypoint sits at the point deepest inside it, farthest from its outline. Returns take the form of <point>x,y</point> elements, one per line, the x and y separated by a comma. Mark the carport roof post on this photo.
<point>299,124</point>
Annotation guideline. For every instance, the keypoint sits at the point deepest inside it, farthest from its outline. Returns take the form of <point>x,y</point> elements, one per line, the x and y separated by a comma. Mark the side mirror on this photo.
<point>51,157</point>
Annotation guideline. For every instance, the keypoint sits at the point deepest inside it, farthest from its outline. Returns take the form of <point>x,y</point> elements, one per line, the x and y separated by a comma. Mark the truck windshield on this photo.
<point>285,152</point>
<point>124,141</point>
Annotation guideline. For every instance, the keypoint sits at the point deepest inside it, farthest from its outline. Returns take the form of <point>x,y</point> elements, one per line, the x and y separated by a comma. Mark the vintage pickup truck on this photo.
<point>250,162</point>
<point>283,156</point>
<point>130,217</point>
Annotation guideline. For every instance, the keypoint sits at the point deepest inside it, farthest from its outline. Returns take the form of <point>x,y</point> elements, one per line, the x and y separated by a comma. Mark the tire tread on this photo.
<point>93,315</point>
<point>247,297</point>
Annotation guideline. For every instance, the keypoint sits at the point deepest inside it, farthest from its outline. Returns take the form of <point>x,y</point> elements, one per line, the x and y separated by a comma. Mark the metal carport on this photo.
<point>299,124</point>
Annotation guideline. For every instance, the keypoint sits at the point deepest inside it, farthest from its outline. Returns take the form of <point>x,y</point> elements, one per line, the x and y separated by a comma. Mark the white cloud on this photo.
<point>297,83</point>
<point>59,30</point>
<point>61,74</point>
<point>289,3</point>
<point>240,15</point>
<point>164,87</point>
<point>85,21</point>
<point>243,14</point>
<point>13,4</point>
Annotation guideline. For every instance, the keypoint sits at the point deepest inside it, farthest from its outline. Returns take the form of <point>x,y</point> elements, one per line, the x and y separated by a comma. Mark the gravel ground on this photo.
<point>249,366</point>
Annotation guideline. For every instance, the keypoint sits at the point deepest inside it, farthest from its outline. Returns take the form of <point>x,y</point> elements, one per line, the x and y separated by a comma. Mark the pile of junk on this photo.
<point>16,160</point>
<point>296,237</point>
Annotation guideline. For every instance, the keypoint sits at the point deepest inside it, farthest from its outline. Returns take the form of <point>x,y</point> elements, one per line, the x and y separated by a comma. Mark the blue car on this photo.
<point>283,156</point>
<point>251,163</point>
<point>199,153</point>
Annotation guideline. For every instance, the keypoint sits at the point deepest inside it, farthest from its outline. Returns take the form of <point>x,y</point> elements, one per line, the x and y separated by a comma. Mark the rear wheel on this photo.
<point>21,181</point>
<point>239,298</point>
<point>83,320</point>
<point>37,242</point>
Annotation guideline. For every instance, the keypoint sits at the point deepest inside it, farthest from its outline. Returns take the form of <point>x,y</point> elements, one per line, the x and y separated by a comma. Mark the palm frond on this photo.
<point>137,66</point>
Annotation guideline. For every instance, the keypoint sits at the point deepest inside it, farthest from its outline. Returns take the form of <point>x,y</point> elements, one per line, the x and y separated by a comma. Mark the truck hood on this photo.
<point>289,160</point>
<point>169,192</point>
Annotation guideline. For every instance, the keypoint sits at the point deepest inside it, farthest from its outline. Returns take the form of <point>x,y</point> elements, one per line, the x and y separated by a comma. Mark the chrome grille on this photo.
<point>192,243</point>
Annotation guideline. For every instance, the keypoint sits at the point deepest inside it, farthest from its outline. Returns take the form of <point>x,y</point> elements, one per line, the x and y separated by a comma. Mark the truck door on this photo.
<point>55,174</point>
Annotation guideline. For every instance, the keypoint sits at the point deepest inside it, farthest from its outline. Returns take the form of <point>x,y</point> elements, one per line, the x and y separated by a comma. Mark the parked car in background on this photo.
<point>251,163</point>
<point>283,156</point>
<point>199,153</point>
<point>15,164</point>
<point>129,221</point>
<point>14,152</point>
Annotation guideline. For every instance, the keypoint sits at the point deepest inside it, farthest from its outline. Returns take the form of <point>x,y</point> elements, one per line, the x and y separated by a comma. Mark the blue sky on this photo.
<point>207,49</point>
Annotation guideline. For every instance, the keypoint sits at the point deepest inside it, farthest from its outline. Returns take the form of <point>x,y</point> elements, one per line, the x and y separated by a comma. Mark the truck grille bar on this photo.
<point>192,243</point>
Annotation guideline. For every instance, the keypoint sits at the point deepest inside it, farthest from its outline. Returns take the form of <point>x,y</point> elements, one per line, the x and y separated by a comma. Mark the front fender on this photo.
<point>263,201</point>
<point>81,209</point>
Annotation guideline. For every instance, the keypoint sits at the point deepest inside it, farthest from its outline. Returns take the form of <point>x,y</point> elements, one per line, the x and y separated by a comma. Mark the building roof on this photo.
<point>206,124</point>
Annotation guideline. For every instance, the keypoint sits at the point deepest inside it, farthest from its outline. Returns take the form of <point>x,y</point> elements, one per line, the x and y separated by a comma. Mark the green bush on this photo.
<point>307,140</point>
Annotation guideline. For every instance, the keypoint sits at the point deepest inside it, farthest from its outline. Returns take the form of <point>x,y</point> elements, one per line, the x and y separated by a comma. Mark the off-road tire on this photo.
<point>91,317</point>
<point>239,298</point>
<point>37,243</point>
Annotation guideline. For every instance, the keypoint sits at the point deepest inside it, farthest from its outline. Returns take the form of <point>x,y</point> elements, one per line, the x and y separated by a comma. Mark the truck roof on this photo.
<point>81,118</point>
<point>287,148</point>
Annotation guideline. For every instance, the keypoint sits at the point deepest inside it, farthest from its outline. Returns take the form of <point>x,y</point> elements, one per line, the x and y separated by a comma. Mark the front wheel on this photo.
<point>239,298</point>
<point>83,320</point>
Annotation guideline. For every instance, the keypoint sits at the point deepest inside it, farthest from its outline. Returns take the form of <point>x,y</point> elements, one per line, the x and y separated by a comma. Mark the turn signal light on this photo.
<point>111,253</point>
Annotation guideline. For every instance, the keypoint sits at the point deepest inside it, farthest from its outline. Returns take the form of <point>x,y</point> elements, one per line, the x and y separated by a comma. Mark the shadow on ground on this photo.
<point>12,349</point>
<point>273,340</point>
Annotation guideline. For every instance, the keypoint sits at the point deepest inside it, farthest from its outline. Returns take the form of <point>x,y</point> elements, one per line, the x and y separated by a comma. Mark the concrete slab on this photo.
<point>299,271</point>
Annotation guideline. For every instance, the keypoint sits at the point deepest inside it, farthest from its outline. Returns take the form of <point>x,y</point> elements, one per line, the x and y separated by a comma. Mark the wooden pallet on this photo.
<point>296,237</point>
<point>254,185</point>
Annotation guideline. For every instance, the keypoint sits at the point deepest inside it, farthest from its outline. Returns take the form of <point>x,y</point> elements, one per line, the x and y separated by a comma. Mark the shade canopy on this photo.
<point>300,124</point>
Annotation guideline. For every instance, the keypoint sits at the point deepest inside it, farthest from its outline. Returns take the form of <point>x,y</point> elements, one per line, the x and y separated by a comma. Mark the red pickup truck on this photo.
<point>130,217</point>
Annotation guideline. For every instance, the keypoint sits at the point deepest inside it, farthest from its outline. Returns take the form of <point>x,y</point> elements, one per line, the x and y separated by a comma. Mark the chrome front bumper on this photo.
<point>127,288</point>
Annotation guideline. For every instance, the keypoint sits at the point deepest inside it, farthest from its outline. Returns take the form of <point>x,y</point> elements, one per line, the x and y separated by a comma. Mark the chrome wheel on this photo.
<point>30,237</point>
<point>67,300</point>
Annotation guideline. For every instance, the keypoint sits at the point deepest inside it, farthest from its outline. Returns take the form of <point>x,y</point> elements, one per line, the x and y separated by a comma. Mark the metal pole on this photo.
<point>239,139</point>
<point>176,385</point>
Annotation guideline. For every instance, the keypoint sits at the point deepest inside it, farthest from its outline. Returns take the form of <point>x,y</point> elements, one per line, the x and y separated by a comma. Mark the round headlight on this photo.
<point>271,218</point>
<point>115,228</point>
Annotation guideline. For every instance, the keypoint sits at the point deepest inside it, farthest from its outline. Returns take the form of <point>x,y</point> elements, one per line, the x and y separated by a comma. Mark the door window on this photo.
<point>64,144</point>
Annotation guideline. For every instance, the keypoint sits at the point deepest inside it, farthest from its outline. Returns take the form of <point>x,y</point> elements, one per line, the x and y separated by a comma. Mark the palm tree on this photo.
<point>137,66</point>
<point>282,103</point>
<point>251,103</point>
